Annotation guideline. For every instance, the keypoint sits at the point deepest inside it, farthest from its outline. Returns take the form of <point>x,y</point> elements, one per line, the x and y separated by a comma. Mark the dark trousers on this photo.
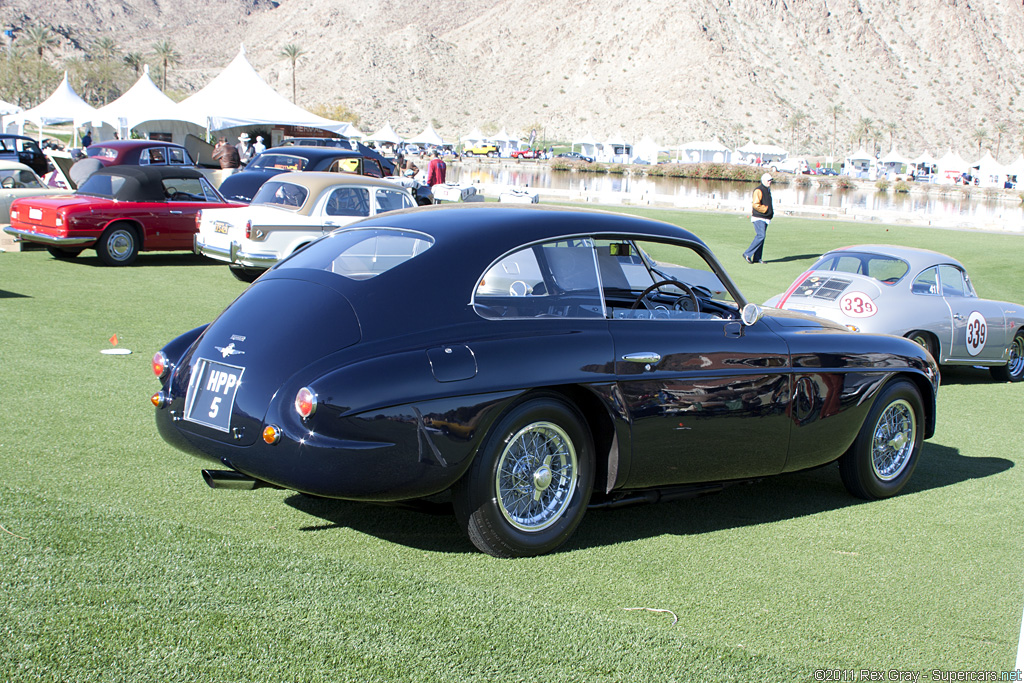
<point>754,251</point>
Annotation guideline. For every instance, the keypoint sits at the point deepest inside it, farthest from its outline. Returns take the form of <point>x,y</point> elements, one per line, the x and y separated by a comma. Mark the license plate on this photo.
<point>211,394</point>
<point>35,214</point>
<point>221,227</point>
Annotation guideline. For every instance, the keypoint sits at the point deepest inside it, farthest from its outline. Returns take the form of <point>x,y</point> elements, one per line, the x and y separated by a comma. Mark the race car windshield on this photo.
<point>886,269</point>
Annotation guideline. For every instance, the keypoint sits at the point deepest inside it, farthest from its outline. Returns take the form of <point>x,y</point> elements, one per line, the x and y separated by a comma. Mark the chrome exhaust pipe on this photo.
<point>230,479</point>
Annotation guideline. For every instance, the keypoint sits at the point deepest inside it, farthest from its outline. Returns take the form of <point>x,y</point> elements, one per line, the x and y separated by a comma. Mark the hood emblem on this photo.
<point>228,350</point>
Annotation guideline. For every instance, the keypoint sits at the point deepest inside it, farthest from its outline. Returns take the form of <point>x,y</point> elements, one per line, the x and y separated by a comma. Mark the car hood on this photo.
<point>270,333</point>
<point>792,319</point>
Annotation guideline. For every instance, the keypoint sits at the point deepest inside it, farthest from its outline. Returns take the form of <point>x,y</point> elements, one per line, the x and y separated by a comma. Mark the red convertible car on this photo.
<point>119,211</point>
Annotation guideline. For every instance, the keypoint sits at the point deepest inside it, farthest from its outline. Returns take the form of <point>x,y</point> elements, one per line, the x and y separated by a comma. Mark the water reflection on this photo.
<point>941,202</point>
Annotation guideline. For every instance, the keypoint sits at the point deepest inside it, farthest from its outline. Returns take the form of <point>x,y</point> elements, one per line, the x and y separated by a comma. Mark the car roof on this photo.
<point>144,183</point>
<point>8,165</point>
<point>918,259</point>
<point>317,181</point>
<point>311,153</point>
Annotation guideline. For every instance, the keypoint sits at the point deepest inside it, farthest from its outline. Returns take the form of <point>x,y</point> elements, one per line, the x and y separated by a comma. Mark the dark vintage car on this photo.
<point>387,165</point>
<point>119,211</point>
<point>575,156</point>
<point>242,186</point>
<point>531,362</point>
<point>139,153</point>
<point>24,150</point>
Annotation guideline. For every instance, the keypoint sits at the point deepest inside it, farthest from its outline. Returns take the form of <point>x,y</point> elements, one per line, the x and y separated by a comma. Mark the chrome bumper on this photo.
<point>233,254</point>
<point>29,236</point>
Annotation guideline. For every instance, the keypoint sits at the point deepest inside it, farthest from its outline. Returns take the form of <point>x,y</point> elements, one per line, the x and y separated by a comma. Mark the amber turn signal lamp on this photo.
<point>271,434</point>
<point>159,399</point>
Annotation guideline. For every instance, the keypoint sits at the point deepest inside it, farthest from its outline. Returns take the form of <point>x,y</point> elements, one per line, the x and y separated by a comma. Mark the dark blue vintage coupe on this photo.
<point>530,363</point>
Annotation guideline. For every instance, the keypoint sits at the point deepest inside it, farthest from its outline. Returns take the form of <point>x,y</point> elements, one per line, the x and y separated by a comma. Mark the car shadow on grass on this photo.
<point>4,294</point>
<point>773,499</point>
<point>964,374</point>
<point>154,259</point>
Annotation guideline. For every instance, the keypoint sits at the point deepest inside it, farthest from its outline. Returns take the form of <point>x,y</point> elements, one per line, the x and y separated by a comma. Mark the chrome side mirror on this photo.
<point>750,314</point>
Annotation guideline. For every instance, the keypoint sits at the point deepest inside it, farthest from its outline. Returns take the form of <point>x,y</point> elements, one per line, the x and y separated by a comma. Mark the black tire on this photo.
<point>926,340</point>
<point>245,274</point>
<point>63,253</point>
<point>885,453</point>
<point>1013,371</point>
<point>118,245</point>
<point>530,482</point>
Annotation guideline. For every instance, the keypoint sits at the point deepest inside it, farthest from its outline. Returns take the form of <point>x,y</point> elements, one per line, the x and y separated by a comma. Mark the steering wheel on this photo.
<point>677,304</point>
<point>7,183</point>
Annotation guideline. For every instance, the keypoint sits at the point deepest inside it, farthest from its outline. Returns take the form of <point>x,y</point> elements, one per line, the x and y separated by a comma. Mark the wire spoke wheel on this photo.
<point>537,474</point>
<point>893,442</point>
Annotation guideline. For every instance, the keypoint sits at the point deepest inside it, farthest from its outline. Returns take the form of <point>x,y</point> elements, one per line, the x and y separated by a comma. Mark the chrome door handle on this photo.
<point>645,357</point>
<point>173,211</point>
<point>957,316</point>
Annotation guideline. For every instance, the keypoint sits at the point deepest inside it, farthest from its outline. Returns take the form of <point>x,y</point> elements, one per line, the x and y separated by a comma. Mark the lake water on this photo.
<point>938,205</point>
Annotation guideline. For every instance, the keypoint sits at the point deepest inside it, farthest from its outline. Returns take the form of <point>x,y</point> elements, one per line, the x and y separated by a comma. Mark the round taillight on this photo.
<point>248,230</point>
<point>305,402</point>
<point>271,434</point>
<point>159,399</point>
<point>199,218</point>
<point>160,364</point>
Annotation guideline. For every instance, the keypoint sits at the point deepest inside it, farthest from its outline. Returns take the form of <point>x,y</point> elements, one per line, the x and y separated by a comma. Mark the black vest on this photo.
<point>766,199</point>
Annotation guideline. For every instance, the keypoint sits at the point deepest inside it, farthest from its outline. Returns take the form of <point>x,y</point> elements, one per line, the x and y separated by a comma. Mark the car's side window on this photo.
<point>153,155</point>
<point>926,283</point>
<point>184,190</point>
<point>348,201</point>
<point>176,155</point>
<point>372,168</point>
<point>552,280</point>
<point>345,166</point>
<point>390,200</point>
<point>952,280</point>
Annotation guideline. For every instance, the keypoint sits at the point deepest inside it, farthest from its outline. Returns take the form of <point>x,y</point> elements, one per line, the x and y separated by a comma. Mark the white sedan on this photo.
<point>289,211</point>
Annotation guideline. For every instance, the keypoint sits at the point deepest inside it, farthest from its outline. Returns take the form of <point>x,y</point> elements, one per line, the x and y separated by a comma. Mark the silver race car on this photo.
<point>914,293</point>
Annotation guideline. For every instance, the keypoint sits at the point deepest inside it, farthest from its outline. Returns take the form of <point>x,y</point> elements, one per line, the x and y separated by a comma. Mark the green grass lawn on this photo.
<point>117,563</point>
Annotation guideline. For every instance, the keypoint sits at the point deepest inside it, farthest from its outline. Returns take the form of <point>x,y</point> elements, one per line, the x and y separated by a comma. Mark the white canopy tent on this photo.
<point>646,151</point>
<point>615,151</point>
<point>893,163</point>
<point>506,143</point>
<point>950,168</point>
<point>762,153</point>
<point>63,106</point>
<point>474,138</point>
<point>1015,171</point>
<point>924,166</point>
<point>588,146</point>
<point>7,108</point>
<point>861,164</point>
<point>147,110</point>
<point>697,151</point>
<point>386,136</point>
<point>238,98</point>
<point>429,136</point>
<point>989,172</point>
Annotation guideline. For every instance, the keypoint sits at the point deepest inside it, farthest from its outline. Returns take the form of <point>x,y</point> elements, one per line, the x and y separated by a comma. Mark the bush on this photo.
<point>882,184</point>
<point>845,183</point>
<point>901,186</point>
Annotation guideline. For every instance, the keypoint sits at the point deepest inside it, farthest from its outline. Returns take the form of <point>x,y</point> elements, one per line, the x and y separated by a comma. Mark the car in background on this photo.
<point>915,293</point>
<point>530,362</point>
<point>826,170</point>
<point>119,211</point>
<point>794,165</point>
<point>288,212</point>
<point>139,153</point>
<point>575,156</point>
<point>24,150</point>
<point>18,180</point>
<point>528,154</point>
<point>242,186</point>
<point>481,151</point>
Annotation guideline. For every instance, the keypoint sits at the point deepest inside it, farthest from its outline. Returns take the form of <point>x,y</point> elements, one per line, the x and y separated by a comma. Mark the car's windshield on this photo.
<point>14,178</point>
<point>281,195</point>
<point>886,269</point>
<point>360,253</point>
<point>287,162</point>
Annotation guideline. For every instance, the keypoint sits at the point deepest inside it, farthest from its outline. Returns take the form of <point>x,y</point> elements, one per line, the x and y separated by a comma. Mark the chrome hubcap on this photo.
<point>536,476</point>
<point>1016,362</point>
<point>121,245</point>
<point>892,444</point>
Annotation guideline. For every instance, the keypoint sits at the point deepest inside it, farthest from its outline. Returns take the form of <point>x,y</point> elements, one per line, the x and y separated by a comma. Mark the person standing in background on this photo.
<point>761,215</point>
<point>436,170</point>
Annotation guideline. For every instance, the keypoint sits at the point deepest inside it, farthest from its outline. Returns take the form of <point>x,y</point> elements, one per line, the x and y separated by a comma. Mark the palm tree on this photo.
<point>40,39</point>
<point>165,52</point>
<point>835,110</point>
<point>796,121</point>
<point>135,61</point>
<point>864,128</point>
<point>890,128</point>
<point>980,135</point>
<point>104,48</point>
<point>292,52</point>
<point>1001,130</point>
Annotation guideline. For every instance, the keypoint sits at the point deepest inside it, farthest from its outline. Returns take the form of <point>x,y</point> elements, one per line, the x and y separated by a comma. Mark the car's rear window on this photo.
<point>280,194</point>
<point>886,269</point>
<point>287,162</point>
<point>360,253</point>
<point>105,152</point>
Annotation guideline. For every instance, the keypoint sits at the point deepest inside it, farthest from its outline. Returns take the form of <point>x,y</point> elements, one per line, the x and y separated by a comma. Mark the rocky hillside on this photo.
<point>927,73</point>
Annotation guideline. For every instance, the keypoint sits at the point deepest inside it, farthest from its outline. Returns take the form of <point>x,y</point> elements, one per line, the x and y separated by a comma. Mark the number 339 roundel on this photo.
<point>857,305</point>
<point>977,332</point>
